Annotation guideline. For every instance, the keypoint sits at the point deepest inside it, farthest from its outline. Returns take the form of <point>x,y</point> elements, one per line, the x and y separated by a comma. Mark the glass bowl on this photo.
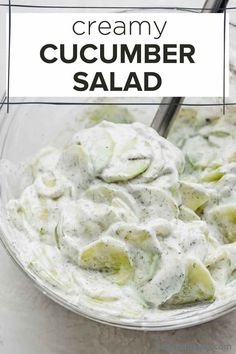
<point>31,126</point>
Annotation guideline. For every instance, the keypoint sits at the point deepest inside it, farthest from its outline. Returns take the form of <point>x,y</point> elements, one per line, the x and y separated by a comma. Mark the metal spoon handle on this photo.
<point>166,114</point>
<point>170,106</point>
<point>215,5</point>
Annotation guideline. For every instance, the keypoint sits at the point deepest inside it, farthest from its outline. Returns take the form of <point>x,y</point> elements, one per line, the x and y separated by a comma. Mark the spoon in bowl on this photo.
<point>169,106</point>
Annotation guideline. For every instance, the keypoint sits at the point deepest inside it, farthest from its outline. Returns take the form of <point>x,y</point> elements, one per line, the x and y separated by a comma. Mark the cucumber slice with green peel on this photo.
<point>126,170</point>
<point>220,267</point>
<point>99,145</point>
<point>187,214</point>
<point>113,114</point>
<point>145,250</point>
<point>129,145</point>
<point>109,256</point>
<point>162,227</point>
<point>132,158</point>
<point>193,195</point>
<point>106,193</point>
<point>50,185</point>
<point>123,204</point>
<point>145,266</point>
<point>101,194</point>
<point>198,285</point>
<point>213,175</point>
<point>137,236</point>
<point>124,211</point>
<point>84,221</point>
<point>199,152</point>
<point>167,280</point>
<point>45,160</point>
<point>102,151</point>
<point>104,298</point>
<point>225,217</point>
<point>57,238</point>
<point>153,171</point>
<point>231,156</point>
<point>154,203</point>
<point>133,233</point>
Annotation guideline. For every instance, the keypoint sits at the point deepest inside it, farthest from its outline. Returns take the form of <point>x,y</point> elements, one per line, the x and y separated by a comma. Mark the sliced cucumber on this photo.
<point>98,144</point>
<point>132,157</point>
<point>138,236</point>
<point>155,203</point>
<point>199,152</point>
<point>45,160</point>
<point>225,216</point>
<point>123,210</point>
<point>50,185</point>
<point>198,285</point>
<point>144,248</point>
<point>187,215</point>
<point>126,170</point>
<point>106,194</point>
<point>193,195</point>
<point>145,266</point>
<point>167,280</point>
<point>212,175</point>
<point>113,114</point>
<point>109,256</point>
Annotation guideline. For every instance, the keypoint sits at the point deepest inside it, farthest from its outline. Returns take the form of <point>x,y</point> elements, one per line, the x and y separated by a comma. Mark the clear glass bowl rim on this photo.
<point>188,319</point>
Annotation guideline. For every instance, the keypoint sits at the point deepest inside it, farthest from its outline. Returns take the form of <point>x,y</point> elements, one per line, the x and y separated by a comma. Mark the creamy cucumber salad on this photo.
<point>125,222</point>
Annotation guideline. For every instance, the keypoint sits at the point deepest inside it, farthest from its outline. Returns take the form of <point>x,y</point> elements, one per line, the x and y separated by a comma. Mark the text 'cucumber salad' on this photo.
<point>125,222</point>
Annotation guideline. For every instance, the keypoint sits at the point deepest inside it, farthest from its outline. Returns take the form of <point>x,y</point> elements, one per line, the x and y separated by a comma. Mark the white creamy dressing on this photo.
<point>122,221</point>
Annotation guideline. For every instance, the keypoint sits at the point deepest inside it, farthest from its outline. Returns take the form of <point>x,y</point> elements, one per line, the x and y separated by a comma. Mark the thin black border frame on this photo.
<point>113,7</point>
<point>9,57</point>
<point>10,5</point>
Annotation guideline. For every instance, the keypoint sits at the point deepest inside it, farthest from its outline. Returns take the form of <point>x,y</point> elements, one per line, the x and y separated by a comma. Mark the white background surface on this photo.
<point>30,323</point>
